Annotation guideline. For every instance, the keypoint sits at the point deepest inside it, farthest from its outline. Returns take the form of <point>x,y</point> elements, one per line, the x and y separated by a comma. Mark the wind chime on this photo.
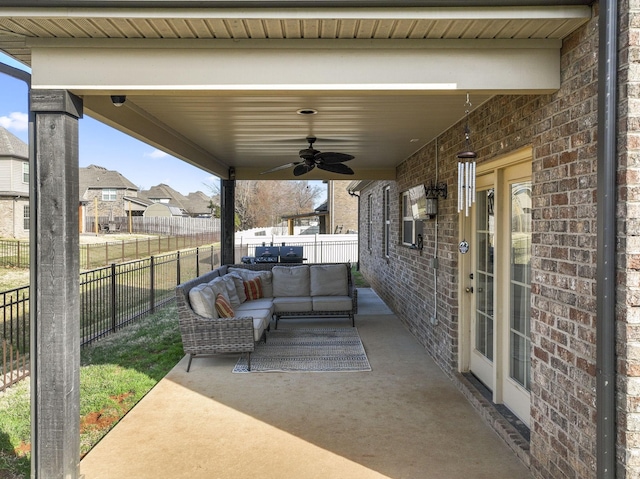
<point>466,176</point>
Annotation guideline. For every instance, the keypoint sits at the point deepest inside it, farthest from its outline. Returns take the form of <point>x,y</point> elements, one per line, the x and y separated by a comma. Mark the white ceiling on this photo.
<point>253,127</point>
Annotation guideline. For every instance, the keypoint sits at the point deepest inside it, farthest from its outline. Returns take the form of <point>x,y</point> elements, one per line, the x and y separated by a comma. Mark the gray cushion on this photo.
<point>332,303</point>
<point>291,281</point>
<point>292,304</point>
<point>262,303</point>
<point>202,299</point>
<point>239,284</point>
<point>329,280</point>
<point>265,277</point>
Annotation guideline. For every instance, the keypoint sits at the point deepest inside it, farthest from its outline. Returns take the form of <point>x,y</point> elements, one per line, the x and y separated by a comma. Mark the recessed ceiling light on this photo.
<point>307,111</point>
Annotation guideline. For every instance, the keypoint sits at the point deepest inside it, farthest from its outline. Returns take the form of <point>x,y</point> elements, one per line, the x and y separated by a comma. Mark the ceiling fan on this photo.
<point>328,161</point>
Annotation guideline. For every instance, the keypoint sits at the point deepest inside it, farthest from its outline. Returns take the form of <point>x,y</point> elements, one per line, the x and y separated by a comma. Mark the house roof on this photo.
<point>11,145</point>
<point>94,176</point>
<point>165,192</point>
<point>199,203</point>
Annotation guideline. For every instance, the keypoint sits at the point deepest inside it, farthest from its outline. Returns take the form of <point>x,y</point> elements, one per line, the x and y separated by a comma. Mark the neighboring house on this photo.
<point>339,214</point>
<point>14,186</point>
<point>105,194</point>
<point>342,207</point>
<point>194,204</point>
<point>199,204</point>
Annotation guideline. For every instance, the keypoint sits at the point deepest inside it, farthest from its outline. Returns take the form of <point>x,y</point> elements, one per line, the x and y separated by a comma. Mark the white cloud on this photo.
<point>156,154</point>
<point>16,121</point>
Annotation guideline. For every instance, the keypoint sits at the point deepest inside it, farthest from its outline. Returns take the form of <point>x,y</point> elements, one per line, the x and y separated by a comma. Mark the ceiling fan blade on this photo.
<point>331,157</point>
<point>302,169</point>
<point>336,168</point>
<point>281,167</point>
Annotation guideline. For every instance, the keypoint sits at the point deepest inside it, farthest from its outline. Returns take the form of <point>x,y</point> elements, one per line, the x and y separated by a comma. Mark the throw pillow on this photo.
<point>223,307</point>
<point>253,288</point>
<point>265,276</point>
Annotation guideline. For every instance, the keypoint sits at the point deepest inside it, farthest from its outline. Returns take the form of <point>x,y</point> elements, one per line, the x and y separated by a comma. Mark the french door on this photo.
<point>496,284</point>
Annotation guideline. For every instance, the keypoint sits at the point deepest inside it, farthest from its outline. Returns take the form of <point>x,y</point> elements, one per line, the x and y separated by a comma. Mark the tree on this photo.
<point>263,203</point>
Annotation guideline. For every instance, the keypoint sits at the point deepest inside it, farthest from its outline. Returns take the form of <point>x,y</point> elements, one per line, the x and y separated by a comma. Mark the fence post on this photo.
<point>18,260</point>
<point>178,266</point>
<point>197,262</point>
<point>113,297</point>
<point>152,292</point>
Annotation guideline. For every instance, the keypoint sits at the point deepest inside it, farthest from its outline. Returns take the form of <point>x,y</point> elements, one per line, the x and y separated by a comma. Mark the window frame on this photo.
<point>26,217</point>
<point>25,172</point>
<point>407,218</point>
<point>369,221</point>
<point>109,194</point>
<point>386,212</point>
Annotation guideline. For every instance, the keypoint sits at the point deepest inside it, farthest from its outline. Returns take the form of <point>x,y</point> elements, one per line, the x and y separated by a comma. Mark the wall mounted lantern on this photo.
<point>432,193</point>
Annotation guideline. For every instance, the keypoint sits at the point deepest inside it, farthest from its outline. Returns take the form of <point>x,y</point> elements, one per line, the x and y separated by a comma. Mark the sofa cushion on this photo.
<point>265,276</point>
<point>253,289</point>
<point>223,307</point>
<point>239,287</point>
<point>202,299</point>
<point>218,286</point>
<point>292,304</point>
<point>329,280</point>
<point>332,303</point>
<point>262,303</point>
<point>290,281</point>
<point>232,292</point>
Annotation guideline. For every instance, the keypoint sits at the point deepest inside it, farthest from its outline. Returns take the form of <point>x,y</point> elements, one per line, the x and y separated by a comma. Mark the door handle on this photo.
<point>469,289</point>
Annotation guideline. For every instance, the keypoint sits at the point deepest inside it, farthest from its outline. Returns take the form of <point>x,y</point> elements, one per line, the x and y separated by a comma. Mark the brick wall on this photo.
<point>12,218</point>
<point>343,207</point>
<point>561,130</point>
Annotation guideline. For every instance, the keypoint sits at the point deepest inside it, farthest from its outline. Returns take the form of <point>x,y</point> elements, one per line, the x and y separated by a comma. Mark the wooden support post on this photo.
<point>55,303</point>
<point>227,223</point>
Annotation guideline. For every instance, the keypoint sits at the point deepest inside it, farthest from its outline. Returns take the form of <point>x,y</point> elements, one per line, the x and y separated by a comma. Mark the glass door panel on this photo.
<point>485,235</point>
<point>520,284</point>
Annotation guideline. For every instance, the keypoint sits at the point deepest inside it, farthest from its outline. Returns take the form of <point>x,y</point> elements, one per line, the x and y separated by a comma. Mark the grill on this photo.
<point>267,254</point>
<point>291,254</point>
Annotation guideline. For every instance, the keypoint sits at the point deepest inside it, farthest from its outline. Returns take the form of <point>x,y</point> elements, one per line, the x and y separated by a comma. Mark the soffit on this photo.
<point>197,127</point>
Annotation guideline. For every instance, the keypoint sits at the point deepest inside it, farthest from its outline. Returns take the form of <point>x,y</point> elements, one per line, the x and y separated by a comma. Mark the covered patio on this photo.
<point>237,89</point>
<point>403,419</point>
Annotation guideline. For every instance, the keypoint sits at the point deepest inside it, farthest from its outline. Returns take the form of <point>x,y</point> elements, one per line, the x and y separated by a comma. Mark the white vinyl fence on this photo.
<point>316,248</point>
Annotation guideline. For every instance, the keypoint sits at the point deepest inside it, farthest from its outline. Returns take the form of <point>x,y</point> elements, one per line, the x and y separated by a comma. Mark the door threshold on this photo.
<point>506,424</point>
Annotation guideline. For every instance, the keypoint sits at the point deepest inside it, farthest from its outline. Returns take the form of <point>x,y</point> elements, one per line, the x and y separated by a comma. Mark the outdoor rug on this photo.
<point>308,350</point>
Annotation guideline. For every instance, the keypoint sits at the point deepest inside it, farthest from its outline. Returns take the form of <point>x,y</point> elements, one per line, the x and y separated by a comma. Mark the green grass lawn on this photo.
<point>115,374</point>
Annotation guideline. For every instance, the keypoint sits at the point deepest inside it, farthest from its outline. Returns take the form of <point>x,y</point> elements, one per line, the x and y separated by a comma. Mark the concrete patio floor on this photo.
<point>403,420</point>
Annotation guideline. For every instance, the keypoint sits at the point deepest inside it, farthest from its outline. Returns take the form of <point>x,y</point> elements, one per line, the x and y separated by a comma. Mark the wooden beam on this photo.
<point>55,302</point>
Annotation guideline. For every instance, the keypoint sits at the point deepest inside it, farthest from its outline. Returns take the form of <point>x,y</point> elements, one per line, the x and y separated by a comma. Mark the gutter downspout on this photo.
<point>606,238</point>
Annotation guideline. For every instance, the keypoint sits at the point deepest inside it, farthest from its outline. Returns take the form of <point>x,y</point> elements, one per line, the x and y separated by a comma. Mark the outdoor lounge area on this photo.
<point>403,419</point>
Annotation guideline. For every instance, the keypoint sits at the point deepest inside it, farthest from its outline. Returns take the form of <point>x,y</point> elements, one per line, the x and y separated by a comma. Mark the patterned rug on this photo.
<point>308,350</point>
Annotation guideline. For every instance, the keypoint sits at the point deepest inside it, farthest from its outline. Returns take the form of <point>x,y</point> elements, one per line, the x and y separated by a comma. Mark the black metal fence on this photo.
<point>110,297</point>
<point>16,253</point>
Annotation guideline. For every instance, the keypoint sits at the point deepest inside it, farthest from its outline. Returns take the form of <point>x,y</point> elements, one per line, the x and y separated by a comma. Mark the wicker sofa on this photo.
<point>285,290</point>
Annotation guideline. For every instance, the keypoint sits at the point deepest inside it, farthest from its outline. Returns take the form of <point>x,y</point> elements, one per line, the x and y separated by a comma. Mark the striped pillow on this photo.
<point>223,307</point>
<point>253,288</point>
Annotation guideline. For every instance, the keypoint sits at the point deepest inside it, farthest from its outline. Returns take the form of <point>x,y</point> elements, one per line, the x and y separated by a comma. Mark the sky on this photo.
<point>143,165</point>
